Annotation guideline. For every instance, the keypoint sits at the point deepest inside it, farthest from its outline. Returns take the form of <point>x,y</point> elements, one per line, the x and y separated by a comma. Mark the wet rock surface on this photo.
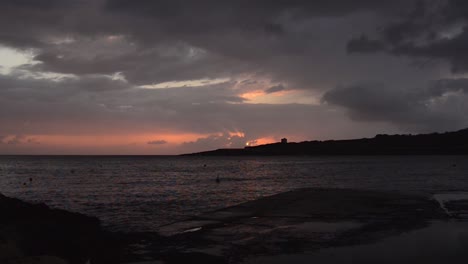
<point>458,209</point>
<point>294,222</point>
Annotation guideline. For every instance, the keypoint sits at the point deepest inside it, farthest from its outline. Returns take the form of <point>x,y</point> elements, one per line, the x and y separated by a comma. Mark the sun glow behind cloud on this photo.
<point>281,97</point>
<point>261,141</point>
<point>11,58</point>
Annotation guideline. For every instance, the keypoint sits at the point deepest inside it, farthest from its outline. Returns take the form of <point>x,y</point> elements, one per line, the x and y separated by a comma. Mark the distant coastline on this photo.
<point>448,143</point>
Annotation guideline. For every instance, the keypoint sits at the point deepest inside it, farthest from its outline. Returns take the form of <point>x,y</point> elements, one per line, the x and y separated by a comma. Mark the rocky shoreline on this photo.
<point>286,223</point>
<point>300,221</point>
<point>35,233</point>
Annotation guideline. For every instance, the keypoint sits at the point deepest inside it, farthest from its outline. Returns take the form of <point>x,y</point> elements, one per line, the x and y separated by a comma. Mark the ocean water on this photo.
<point>141,193</point>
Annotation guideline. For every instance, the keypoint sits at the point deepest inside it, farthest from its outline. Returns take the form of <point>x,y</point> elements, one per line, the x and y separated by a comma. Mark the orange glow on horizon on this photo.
<point>113,140</point>
<point>135,143</point>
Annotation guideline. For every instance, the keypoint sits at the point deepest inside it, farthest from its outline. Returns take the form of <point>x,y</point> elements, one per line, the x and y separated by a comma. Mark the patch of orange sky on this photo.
<point>237,134</point>
<point>252,94</point>
<point>259,96</point>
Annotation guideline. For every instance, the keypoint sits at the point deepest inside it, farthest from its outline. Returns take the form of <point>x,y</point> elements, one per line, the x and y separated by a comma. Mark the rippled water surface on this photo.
<point>144,192</point>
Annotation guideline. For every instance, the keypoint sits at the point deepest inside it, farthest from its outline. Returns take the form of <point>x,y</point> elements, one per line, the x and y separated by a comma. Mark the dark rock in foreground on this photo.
<point>303,220</point>
<point>34,233</point>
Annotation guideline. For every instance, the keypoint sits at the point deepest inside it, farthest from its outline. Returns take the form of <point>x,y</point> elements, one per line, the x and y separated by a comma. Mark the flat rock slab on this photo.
<point>332,204</point>
<point>455,204</point>
<point>296,221</point>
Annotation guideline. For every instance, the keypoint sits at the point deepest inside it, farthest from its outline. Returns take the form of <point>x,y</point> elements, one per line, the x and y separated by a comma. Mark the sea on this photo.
<point>142,193</point>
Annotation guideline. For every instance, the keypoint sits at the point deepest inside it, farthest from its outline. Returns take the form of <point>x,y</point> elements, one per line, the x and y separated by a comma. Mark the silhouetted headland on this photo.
<point>448,143</point>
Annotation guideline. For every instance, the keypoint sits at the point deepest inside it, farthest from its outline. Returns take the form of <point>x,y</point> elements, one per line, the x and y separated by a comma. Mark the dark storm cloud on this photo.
<point>32,4</point>
<point>371,102</point>
<point>364,44</point>
<point>24,22</point>
<point>140,65</point>
<point>439,106</point>
<point>262,8</point>
<point>446,85</point>
<point>215,38</point>
<point>434,30</point>
<point>262,37</point>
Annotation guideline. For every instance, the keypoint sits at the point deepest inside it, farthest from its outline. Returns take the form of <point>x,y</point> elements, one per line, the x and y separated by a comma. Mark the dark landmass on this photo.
<point>449,143</point>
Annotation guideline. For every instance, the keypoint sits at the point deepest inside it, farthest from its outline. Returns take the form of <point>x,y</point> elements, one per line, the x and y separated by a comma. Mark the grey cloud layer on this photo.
<point>98,104</point>
<point>441,105</point>
<point>435,30</point>
<point>173,40</point>
<point>323,46</point>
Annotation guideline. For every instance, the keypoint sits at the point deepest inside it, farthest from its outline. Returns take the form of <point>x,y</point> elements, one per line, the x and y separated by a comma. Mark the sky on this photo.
<point>173,76</point>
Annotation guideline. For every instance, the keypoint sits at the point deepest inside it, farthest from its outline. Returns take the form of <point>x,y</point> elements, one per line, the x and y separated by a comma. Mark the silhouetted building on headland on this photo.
<point>448,143</point>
